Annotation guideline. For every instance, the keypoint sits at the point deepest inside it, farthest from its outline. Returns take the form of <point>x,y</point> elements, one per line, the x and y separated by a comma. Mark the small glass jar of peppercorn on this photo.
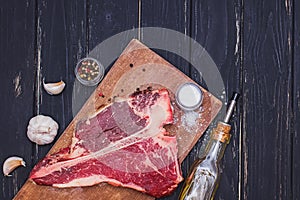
<point>89,71</point>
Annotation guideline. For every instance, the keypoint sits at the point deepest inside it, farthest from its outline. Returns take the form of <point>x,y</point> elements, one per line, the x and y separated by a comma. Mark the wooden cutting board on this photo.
<point>138,67</point>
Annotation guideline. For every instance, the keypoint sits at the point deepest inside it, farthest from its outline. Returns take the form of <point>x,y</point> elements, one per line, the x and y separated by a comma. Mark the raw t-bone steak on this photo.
<point>123,144</point>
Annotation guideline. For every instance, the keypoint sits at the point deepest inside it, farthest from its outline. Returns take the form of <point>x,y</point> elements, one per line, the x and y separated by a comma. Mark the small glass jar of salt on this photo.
<point>189,96</point>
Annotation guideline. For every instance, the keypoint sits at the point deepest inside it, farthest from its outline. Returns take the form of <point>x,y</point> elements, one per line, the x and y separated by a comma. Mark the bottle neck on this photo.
<point>219,139</point>
<point>215,150</point>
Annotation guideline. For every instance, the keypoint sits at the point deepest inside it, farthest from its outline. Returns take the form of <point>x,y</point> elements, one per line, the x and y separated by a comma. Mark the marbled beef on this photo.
<point>123,144</point>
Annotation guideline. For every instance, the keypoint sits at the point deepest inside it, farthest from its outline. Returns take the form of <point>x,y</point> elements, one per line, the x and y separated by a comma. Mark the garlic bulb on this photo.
<point>54,88</point>
<point>42,129</point>
<point>12,163</point>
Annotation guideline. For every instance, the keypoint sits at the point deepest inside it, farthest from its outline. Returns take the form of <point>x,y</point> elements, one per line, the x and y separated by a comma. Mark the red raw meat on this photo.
<point>123,144</point>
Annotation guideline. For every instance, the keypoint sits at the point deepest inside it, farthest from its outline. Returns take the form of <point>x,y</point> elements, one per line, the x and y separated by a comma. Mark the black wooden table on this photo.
<point>255,45</point>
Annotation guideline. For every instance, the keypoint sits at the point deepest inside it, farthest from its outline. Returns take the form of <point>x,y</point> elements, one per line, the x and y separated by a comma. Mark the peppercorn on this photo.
<point>89,72</point>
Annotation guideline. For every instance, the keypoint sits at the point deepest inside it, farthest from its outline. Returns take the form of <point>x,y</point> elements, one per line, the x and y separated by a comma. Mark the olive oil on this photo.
<point>202,181</point>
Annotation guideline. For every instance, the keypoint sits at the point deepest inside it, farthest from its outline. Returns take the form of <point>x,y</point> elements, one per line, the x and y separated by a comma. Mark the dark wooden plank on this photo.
<point>217,27</point>
<point>107,18</point>
<point>61,42</point>
<point>267,94</point>
<point>168,15</point>
<point>17,33</point>
<point>296,103</point>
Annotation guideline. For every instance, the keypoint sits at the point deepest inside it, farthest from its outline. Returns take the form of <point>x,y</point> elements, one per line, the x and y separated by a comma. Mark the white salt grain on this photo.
<point>189,121</point>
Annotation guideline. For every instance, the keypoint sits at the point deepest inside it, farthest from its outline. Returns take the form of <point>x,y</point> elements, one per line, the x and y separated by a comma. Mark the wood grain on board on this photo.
<point>137,67</point>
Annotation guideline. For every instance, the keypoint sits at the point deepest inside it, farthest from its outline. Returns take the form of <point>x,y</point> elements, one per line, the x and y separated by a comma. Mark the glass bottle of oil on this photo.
<point>202,181</point>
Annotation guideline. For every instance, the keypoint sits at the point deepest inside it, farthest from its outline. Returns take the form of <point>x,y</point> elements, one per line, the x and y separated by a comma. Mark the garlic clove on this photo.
<point>54,88</point>
<point>12,163</point>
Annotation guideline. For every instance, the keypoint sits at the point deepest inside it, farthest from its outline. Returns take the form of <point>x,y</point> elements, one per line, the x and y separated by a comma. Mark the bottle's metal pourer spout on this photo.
<point>230,109</point>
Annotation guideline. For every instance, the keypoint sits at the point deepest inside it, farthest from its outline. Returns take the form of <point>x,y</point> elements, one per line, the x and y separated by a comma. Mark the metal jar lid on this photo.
<point>189,96</point>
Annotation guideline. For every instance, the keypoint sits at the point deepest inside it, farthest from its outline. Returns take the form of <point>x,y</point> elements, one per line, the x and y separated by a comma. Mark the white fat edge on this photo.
<point>87,181</point>
<point>152,129</point>
<point>77,152</point>
<point>96,179</point>
<point>74,140</point>
<point>73,149</point>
